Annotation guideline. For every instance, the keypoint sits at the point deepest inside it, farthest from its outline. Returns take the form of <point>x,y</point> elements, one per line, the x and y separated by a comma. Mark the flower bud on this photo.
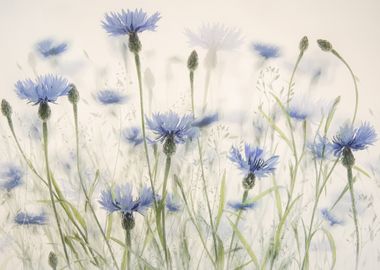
<point>134,43</point>
<point>324,45</point>
<point>6,108</point>
<point>53,260</point>
<point>249,181</point>
<point>128,221</point>
<point>169,147</point>
<point>73,94</point>
<point>304,44</point>
<point>348,159</point>
<point>44,111</point>
<point>192,61</point>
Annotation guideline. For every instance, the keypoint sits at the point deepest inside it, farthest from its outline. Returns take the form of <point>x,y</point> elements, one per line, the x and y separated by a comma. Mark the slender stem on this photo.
<point>45,137</point>
<point>126,262</point>
<point>162,209</point>
<point>245,195</point>
<point>354,213</point>
<point>355,83</point>
<point>292,77</point>
<point>88,200</point>
<point>202,169</point>
<point>138,68</point>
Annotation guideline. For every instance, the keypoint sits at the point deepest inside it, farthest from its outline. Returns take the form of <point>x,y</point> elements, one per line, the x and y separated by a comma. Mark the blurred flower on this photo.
<point>124,23</point>
<point>120,199</point>
<point>321,148</point>
<point>301,108</point>
<point>133,136</point>
<point>171,204</point>
<point>10,177</point>
<point>109,97</point>
<point>265,50</point>
<point>205,120</point>
<point>255,162</point>
<point>23,218</point>
<point>44,89</point>
<point>48,48</point>
<point>353,138</point>
<point>215,37</point>
<point>238,205</point>
<point>332,220</point>
<point>171,126</point>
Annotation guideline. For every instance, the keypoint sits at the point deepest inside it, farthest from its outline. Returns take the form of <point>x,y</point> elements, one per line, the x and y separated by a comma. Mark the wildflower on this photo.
<point>215,37</point>
<point>205,120</point>
<point>6,108</point>
<point>48,48</point>
<point>120,199</point>
<point>321,148</point>
<point>238,205</point>
<point>304,44</point>
<point>10,177</point>
<point>171,204</point>
<point>23,218</point>
<point>266,51</point>
<point>44,89</point>
<point>301,108</point>
<point>133,136</point>
<point>125,23</point>
<point>109,97</point>
<point>192,61</point>
<point>172,129</point>
<point>332,220</point>
<point>255,165</point>
<point>324,45</point>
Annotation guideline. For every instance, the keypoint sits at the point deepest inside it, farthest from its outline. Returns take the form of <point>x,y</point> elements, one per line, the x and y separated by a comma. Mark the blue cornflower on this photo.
<point>10,177</point>
<point>23,218</point>
<point>171,125</point>
<point>171,204</point>
<point>48,48</point>
<point>125,23</point>
<point>266,51</point>
<point>109,97</point>
<point>321,148</point>
<point>46,88</point>
<point>133,136</point>
<point>255,165</point>
<point>353,138</point>
<point>238,205</point>
<point>297,114</point>
<point>205,120</point>
<point>332,220</point>
<point>120,199</point>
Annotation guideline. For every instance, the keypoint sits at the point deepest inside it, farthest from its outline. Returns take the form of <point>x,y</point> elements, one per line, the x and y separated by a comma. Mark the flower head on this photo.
<point>254,162</point>
<point>265,50</point>
<point>10,177</point>
<point>353,138</point>
<point>328,216</point>
<point>172,204</point>
<point>238,205</point>
<point>321,148</point>
<point>109,97</point>
<point>48,48</point>
<point>171,126</point>
<point>23,218</point>
<point>120,199</point>
<point>205,120</point>
<point>127,22</point>
<point>133,136</point>
<point>215,37</point>
<point>44,89</point>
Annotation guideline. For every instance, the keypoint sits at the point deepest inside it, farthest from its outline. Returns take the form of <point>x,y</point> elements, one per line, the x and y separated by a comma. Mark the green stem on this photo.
<point>162,209</point>
<point>355,83</point>
<point>45,137</point>
<point>88,200</point>
<point>202,170</point>
<point>245,195</point>
<point>354,213</point>
<point>292,77</point>
<point>126,262</point>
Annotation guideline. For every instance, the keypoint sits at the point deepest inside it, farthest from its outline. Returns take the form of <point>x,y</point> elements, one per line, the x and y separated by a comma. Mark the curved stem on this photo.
<point>292,77</point>
<point>355,83</point>
<point>88,200</point>
<point>162,209</point>
<point>45,138</point>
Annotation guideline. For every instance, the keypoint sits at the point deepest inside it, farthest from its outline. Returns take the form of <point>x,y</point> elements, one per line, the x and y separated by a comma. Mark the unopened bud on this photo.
<point>324,45</point>
<point>192,61</point>
<point>304,44</point>
<point>6,108</point>
<point>73,94</point>
<point>53,260</point>
<point>44,111</point>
